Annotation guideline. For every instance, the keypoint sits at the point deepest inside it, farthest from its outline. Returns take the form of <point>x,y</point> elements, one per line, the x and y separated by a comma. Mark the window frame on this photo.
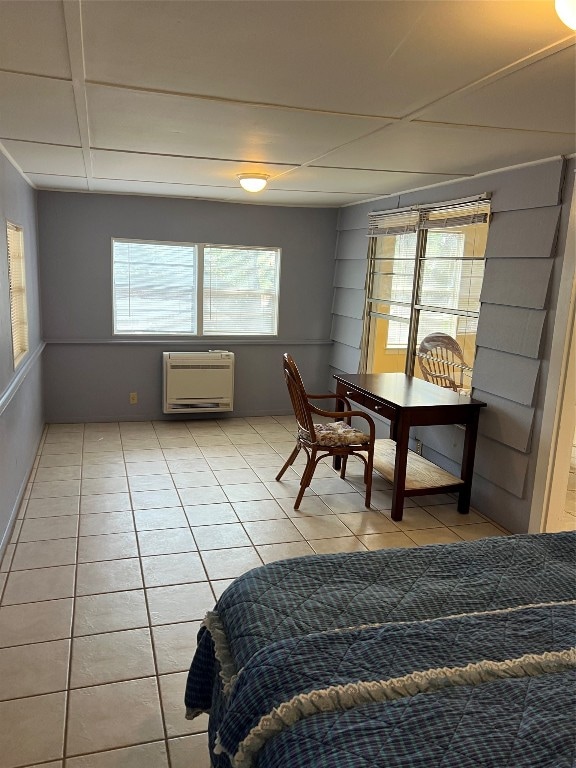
<point>17,295</point>
<point>416,219</point>
<point>200,274</point>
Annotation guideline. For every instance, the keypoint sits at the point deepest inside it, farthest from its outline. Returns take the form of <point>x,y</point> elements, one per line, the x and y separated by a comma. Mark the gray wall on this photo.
<point>88,373</point>
<point>524,258</point>
<point>21,418</point>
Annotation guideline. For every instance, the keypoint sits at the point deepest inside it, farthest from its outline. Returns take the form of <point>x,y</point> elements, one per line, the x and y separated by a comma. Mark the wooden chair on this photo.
<point>441,361</point>
<point>336,438</point>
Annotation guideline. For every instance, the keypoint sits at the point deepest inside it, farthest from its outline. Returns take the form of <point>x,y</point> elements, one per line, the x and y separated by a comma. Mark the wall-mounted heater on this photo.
<point>198,382</point>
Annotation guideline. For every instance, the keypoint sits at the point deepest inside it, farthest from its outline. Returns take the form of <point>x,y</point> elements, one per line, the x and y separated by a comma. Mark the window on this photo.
<point>17,288</point>
<point>195,289</point>
<point>425,273</point>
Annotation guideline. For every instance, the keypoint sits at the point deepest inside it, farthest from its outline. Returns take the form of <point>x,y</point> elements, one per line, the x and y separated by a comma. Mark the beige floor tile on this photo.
<point>32,730</point>
<point>219,451</point>
<point>105,502</point>
<point>139,468</point>
<point>221,463</point>
<point>268,459</point>
<point>477,531</point>
<point>194,479</point>
<point>202,495</point>
<point>323,486</point>
<point>141,756</point>
<point>268,474</point>
<point>112,546</point>
<point>325,527</point>
<point>61,460</point>
<point>367,521</point>
<point>3,579</point>
<point>247,492</point>
<point>45,528</point>
<point>110,612</point>
<point>386,540</point>
<point>273,531</point>
<point>53,507</point>
<point>155,499</point>
<point>180,466</point>
<point>183,453</point>
<point>220,586</point>
<point>230,563</point>
<point>228,477</point>
<point>156,519</point>
<point>103,457</point>
<point>39,584</point>
<point>111,657</point>
<point>434,498</point>
<point>57,764</point>
<point>184,602</point>
<point>109,576</point>
<point>94,723</point>
<point>286,489</point>
<point>16,531</point>
<point>221,536</point>
<point>35,622</point>
<point>43,554</point>
<point>207,441</point>
<point>55,489</point>
<point>29,670</point>
<point>105,443</point>
<point>174,646</point>
<point>133,455</point>
<point>163,570</point>
<point>341,544</point>
<point>171,687</point>
<point>99,524</point>
<point>449,515</point>
<point>210,514</point>
<point>177,440</point>
<point>94,471</point>
<point>71,446</point>
<point>414,518</point>
<point>271,552</point>
<point>310,506</point>
<point>382,500</point>
<point>166,542</point>
<point>344,502</point>
<point>151,483</point>
<point>433,536</point>
<point>47,474</point>
<point>92,486</point>
<point>266,509</point>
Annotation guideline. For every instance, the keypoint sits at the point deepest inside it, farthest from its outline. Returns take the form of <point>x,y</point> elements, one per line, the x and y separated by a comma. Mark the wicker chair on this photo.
<point>337,438</point>
<point>441,361</point>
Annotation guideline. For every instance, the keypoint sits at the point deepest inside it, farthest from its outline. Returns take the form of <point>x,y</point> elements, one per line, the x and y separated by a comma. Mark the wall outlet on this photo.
<point>133,398</point>
<point>418,446</point>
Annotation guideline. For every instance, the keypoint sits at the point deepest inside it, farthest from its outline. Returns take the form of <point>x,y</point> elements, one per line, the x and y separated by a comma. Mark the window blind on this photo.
<point>17,289</point>
<point>155,288</point>
<point>240,290</point>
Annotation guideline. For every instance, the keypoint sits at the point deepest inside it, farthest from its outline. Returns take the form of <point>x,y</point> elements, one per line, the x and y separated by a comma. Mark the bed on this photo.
<point>446,655</point>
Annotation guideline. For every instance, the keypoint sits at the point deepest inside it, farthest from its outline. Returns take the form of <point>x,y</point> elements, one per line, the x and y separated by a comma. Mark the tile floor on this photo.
<point>128,534</point>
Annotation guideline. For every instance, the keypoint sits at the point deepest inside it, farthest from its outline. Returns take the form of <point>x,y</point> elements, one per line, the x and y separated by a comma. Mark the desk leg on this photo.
<point>402,431</point>
<point>468,465</point>
<point>340,390</point>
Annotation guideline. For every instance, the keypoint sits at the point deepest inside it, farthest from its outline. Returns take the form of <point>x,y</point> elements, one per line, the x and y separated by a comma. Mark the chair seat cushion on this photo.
<point>336,433</point>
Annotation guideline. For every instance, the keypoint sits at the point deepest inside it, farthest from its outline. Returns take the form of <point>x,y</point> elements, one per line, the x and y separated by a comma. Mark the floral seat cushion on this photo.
<point>336,433</point>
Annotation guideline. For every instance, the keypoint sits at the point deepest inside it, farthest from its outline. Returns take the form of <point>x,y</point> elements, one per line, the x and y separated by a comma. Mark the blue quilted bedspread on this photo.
<point>469,646</point>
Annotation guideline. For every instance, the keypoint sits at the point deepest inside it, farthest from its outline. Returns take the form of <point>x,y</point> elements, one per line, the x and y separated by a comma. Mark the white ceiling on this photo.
<point>338,101</point>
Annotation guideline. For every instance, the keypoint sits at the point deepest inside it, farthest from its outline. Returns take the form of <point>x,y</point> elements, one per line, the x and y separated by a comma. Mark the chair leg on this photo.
<point>306,478</point>
<point>289,461</point>
<point>368,477</point>
<point>343,467</point>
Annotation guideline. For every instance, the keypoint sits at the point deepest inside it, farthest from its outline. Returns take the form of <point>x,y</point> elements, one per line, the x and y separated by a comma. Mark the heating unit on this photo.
<point>198,382</point>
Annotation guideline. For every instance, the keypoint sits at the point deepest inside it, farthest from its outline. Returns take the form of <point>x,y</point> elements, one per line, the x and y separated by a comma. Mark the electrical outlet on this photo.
<point>133,398</point>
<point>418,447</point>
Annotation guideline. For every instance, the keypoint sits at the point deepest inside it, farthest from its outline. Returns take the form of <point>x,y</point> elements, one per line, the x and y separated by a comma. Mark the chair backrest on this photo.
<point>441,361</point>
<point>298,396</point>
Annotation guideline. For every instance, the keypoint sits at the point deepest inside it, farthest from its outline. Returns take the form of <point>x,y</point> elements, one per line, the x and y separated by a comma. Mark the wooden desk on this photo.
<point>409,402</point>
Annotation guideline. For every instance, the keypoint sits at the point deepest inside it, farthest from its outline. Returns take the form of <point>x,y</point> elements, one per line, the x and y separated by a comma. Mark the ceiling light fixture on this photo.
<point>566,10</point>
<point>253,182</point>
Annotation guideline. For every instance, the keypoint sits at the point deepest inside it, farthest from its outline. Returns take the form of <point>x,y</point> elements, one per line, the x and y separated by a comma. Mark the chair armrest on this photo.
<point>334,397</point>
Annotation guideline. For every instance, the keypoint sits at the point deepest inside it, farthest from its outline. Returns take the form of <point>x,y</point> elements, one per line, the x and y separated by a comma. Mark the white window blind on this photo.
<point>17,288</point>
<point>240,291</point>
<point>194,289</point>
<point>154,288</point>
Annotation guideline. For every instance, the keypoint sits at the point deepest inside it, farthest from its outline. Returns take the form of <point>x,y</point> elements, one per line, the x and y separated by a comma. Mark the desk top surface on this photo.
<point>405,391</point>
